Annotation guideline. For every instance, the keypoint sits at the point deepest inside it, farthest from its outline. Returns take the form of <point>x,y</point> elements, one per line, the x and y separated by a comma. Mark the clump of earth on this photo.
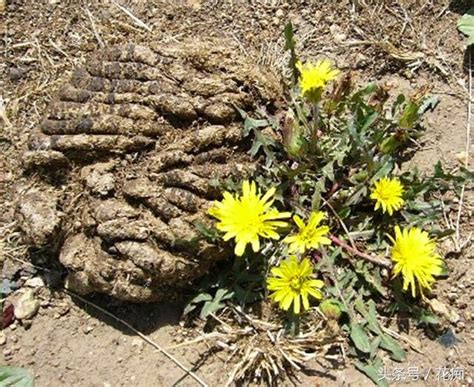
<point>126,161</point>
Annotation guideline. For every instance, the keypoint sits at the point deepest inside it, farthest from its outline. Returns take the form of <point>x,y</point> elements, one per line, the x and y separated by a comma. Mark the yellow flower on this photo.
<point>315,77</point>
<point>415,257</point>
<point>248,217</point>
<point>388,194</point>
<point>310,236</point>
<point>293,282</point>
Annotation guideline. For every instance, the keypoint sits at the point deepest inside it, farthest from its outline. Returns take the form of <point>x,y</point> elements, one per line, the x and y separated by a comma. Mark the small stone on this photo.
<point>452,297</point>
<point>27,323</point>
<point>88,329</point>
<point>442,310</point>
<point>7,352</point>
<point>280,13</point>
<point>13,327</point>
<point>454,317</point>
<point>138,344</point>
<point>3,338</point>
<point>276,21</point>
<point>14,338</point>
<point>27,305</point>
<point>461,157</point>
<point>35,282</point>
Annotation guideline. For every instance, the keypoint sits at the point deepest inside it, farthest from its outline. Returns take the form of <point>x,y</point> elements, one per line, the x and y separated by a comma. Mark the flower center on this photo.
<point>296,283</point>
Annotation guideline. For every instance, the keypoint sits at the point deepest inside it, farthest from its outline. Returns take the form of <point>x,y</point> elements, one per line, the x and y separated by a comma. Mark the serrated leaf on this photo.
<point>429,103</point>
<point>15,377</point>
<point>397,353</point>
<point>368,314</point>
<point>252,123</point>
<point>328,171</point>
<point>359,338</point>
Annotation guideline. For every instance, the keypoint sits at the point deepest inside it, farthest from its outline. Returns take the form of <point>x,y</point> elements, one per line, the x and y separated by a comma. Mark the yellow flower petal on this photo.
<point>293,283</point>
<point>315,77</point>
<point>415,258</point>
<point>248,217</point>
<point>388,194</point>
<point>309,236</point>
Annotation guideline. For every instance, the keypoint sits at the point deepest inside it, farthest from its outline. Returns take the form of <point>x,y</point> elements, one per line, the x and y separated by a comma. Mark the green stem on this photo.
<point>293,322</point>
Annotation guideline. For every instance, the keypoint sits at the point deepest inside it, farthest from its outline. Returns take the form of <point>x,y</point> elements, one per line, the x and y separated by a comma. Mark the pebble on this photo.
<point>280,13</point>
<point>276,21</point>
<point>88,329</point>
<point>35,282</point>
<point>14,338</point>
<point>15,74</point>
<point>7,352</point>
<point>452,297</point>
<point>13,326</point>
<point>27,305</point>
<point>27,323</point>
<point>138,343</point>
<point>3,338</point>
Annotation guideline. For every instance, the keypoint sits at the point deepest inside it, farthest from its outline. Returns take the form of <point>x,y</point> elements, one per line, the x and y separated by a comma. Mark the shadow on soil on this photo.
<point>460,6</point>
<point>146,318</point>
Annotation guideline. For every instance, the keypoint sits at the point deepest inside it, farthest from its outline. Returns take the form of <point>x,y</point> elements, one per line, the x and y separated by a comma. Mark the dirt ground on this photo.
<point>408,44</point>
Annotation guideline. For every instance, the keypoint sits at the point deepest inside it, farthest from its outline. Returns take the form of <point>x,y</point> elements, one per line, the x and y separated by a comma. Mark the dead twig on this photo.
<point>94,29</point>
<point>466,160</point>
<point>137,21</point>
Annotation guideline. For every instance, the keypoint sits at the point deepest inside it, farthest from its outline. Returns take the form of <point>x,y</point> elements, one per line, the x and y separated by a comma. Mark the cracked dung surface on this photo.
<point>123,164</point>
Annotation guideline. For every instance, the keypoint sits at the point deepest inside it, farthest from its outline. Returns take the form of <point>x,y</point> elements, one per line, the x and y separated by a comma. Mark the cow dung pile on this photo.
<point>126,160</point>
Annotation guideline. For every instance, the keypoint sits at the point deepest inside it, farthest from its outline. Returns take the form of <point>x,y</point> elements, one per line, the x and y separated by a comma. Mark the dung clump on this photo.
<point>121,168</point>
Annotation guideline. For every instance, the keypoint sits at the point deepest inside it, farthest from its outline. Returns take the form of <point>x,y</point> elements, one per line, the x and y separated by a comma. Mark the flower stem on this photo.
<point>381,261</point>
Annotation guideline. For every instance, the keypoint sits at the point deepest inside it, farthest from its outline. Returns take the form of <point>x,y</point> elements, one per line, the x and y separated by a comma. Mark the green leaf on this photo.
<point>372,370</point>
<point>192,304</point>
<point>15,377</point>
<point>328,171</point>
<point>429,103</point>
<point>252,123</point>
<point>410,115</point>
<point>374,346</point>
<point>383,171</point>
<point>290,45</point>
<point>425,317</point>
<point>466,25</point>
<point>369,120</point>
<point>397,353</point>
<point>360,338</point>
<point>368,314</point>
